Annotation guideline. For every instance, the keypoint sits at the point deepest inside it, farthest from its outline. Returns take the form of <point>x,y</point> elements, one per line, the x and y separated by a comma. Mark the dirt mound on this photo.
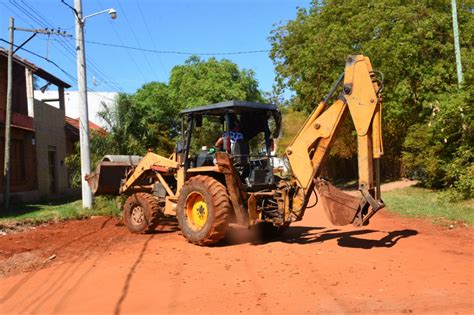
<point>21,262</point>
<point>66,241</point>
<point>31,249</point>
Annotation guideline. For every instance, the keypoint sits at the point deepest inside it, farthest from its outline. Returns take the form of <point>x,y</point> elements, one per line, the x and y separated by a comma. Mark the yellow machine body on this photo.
<point>167,178</point>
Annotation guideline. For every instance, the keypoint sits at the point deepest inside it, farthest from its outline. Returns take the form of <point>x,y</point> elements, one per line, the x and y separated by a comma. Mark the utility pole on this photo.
<point>8,107</point>
<point>83,106</point>
<point>8,118</point>
<point>457,50</point>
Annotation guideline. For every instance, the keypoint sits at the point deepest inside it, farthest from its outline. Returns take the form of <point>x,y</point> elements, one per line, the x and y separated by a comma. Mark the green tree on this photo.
<point>145,120</point>
<point>100,145</point>
<point>411,42</point>
<point>439,151</point>
<point>201,82</point>
<point>149,118</point>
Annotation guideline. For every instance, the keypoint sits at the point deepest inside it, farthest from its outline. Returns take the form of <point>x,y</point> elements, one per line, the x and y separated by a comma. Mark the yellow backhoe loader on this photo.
<point>206,189</point>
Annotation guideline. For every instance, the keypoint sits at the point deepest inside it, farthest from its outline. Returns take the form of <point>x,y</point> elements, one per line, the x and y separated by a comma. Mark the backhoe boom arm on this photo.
<point>360,98</point>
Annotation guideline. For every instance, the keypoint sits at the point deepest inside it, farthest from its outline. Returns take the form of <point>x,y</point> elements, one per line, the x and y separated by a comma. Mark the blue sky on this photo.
<point>205,26</point>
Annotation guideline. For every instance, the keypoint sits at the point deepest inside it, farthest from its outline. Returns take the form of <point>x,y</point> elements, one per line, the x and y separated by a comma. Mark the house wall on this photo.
<point>23,160</point>
<point>50,137</point>
<point>71,99</point>
<point>19,104</point>
<point>23,181</point>
<point>38,142</point>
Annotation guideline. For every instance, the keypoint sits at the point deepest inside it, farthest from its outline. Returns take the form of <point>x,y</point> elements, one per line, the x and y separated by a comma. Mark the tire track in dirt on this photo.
<point>176,290</point>
<point>385,269</point>
<point>58,283</point>
<point>254,280</point>
<point>82,278</point>
<point>129,277</point>
<point>329,295</point>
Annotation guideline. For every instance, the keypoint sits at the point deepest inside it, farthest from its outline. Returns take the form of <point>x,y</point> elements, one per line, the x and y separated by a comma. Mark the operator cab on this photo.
<point>243,130</point>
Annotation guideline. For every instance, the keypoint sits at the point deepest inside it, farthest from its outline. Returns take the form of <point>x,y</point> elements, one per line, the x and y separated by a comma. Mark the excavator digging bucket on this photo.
<point>109,174</point>
<point>340,208</point>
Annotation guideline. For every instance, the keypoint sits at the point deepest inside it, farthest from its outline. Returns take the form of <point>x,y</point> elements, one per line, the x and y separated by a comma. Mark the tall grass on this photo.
<point>425,203</point>
<point>58,210</point>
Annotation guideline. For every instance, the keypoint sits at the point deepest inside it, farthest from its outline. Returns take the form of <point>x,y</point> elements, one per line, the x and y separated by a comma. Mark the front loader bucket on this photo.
<point>109,174</point>
<point>340,208</point>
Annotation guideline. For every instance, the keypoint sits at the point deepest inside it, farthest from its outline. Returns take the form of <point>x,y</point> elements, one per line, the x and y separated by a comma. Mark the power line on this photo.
<point>70,76</point>
<point>28,10</point>
<point>120,39</point>
<point>68,47</point>
<point>129,25</point>
<point>15,13</point>
<point>149,34</point>
<point>95,70</point>
<point>176,52</point>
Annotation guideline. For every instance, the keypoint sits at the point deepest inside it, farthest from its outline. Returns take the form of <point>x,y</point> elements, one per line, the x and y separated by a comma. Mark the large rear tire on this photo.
<point>203,210</point>
<point>141,213</point>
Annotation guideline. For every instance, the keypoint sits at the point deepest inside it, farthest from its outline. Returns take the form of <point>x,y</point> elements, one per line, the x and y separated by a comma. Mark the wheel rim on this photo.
<point>137,215</point>
<point>196,211</point>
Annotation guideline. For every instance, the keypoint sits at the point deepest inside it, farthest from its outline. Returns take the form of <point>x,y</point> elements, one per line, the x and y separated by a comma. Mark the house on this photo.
<point>95,102</point>
<point>72,133</point>
<point>38,137</point>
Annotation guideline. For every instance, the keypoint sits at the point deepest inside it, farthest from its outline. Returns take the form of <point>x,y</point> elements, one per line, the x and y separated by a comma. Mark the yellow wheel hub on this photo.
<point>196,211</point>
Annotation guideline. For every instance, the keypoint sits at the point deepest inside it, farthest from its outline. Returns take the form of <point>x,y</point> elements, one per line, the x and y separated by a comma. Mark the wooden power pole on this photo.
<point>8,118</point>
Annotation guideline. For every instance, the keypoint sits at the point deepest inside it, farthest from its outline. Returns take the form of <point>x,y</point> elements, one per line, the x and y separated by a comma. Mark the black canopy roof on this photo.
<point>253,116</point>
<point>233,106</point>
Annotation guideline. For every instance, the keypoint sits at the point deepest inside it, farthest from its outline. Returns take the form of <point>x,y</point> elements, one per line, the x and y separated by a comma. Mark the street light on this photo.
<point>111,12</point>
<point>83,106</point>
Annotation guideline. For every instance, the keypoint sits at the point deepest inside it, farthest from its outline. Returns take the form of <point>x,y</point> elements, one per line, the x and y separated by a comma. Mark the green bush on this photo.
<point>439,152</point>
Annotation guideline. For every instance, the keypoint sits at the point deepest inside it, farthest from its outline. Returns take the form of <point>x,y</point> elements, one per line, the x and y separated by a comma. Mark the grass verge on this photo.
<point>57,211</point>
<point>425,203</point>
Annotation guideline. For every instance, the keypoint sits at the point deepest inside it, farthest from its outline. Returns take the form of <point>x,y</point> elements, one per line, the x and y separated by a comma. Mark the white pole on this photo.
<point>83,113</point>
<point>457,50</point>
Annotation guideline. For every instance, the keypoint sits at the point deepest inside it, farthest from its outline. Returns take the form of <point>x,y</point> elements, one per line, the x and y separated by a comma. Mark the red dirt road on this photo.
<point>395,265</point>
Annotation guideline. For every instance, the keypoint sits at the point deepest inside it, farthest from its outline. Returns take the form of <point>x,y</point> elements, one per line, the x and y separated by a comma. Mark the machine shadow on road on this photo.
<point>308,235</point>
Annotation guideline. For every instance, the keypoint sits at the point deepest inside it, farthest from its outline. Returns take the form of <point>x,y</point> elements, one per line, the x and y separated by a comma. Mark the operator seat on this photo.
<point>241,151</point>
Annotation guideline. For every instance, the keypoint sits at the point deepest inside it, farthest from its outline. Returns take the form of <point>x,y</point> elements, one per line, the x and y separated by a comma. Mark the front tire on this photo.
<point>203,210</point>
<point>141,213</point>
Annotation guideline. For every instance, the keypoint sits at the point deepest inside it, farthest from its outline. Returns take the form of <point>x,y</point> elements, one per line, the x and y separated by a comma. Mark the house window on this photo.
<point>17,166</point>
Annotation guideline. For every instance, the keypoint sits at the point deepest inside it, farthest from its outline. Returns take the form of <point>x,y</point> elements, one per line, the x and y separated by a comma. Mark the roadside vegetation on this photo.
<point>149,118</point>
<point>57,211</point>
<point>416,202</point>
<point>420,202</point>
<point>428,120</point>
